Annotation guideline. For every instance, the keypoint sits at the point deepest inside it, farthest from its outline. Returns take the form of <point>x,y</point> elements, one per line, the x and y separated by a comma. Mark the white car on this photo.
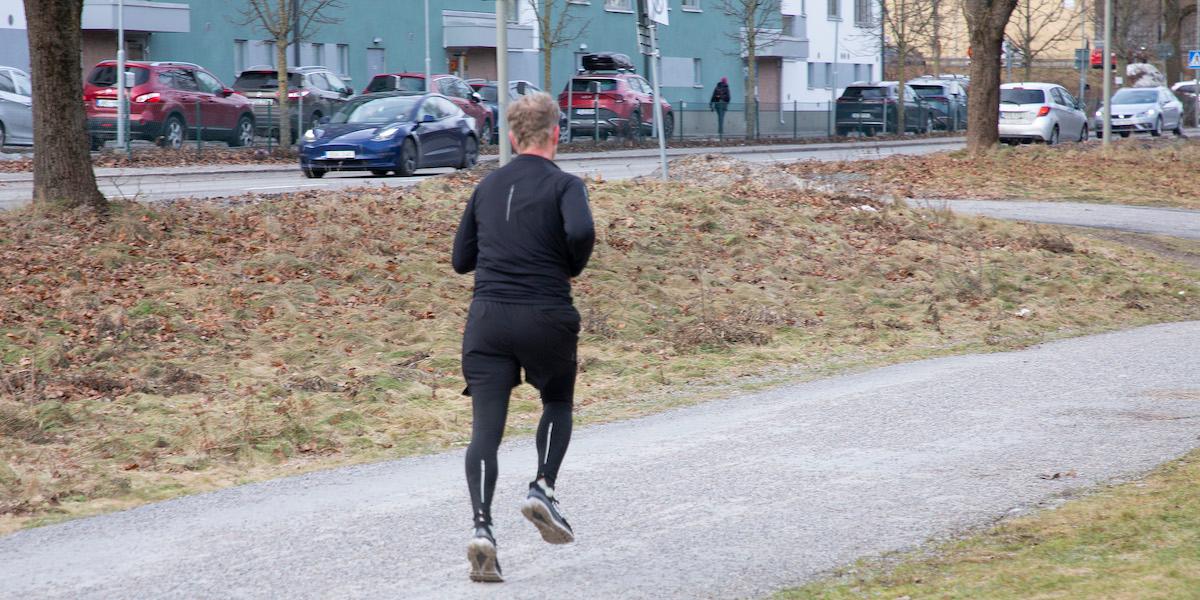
<point>16,107</point>
<point>1040,112</point>
<point>1143,110</point>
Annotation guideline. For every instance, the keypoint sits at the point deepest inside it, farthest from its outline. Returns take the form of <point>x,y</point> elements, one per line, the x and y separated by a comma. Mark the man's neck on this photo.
<point>546,153</point>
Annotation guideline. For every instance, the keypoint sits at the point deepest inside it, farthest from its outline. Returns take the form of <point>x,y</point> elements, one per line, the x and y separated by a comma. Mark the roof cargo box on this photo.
<point>607,61</point>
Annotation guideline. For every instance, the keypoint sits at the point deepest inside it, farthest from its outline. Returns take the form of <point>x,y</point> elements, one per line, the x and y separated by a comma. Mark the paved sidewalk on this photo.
<point>1155,220</point>
<point>734,498</point>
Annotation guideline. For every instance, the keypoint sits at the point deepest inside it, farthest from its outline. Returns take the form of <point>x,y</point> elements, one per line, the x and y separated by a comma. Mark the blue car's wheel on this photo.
<point>470,153</point>
<point>406,165</point>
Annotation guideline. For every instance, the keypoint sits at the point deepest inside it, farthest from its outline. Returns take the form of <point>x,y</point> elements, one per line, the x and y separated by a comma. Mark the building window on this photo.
<point>690,5</point>
<point>239,56</point>
<point>272,59</point>
<point>618,5</point>
<point>317,55</point>
<point>862,13</point>
<point>697,73</point>
<point>828,75</point>
<point>343,60</point>
<point>788,25</point>
<point>835,9</point>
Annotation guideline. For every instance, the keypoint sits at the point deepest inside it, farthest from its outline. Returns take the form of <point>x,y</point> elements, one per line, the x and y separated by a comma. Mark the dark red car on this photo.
<point>169,102</point>
<point>611,98</point>
<point>450,86</point>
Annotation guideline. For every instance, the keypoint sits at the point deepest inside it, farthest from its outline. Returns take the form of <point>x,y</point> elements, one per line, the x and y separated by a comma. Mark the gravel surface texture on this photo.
<point>733,498</point>
<point>1176,222</point>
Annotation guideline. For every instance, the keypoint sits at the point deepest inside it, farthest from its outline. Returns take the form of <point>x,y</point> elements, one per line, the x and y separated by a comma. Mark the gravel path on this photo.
<point>732,498</point>
<point>1176,222</point>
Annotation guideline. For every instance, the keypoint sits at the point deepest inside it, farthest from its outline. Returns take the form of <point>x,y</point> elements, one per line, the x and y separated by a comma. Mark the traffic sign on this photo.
<point>1194,59</point>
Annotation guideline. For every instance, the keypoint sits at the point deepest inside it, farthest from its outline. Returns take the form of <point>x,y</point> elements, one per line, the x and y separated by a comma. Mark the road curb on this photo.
<point>27,177</point>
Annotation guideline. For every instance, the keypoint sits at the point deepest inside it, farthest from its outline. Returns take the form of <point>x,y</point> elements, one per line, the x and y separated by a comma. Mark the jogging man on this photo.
<point>526,232</point>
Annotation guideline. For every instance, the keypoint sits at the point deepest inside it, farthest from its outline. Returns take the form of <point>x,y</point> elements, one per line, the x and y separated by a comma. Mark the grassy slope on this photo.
<point>183,348</point>
<point>1135,541</point>
<point>1138,171</point>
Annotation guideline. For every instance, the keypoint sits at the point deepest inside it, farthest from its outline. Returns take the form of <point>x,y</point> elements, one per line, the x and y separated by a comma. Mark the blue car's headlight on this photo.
<point>311,135</point>
<point>386,133</point>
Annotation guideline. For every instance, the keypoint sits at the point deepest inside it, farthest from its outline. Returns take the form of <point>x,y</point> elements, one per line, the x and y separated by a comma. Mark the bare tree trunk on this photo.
<point>751,74</point>
<point>544,21</point>
<point>281,75</point>
<point>62,166</point>
<point>986,20</point>
<point>902,68</point>
<point>1173,22</point>
<point>936,35</point>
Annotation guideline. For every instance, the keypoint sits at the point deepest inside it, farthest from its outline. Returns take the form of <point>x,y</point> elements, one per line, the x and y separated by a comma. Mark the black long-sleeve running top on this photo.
<point>526,232</point>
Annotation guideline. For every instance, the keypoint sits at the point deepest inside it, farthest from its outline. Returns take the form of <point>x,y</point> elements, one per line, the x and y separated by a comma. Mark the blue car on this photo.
<point>391,131</point>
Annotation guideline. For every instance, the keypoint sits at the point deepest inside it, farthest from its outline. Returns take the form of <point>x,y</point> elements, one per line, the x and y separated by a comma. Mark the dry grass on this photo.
<point>181,348</point>
<point>1135,541</point>
<point>1139,171</point>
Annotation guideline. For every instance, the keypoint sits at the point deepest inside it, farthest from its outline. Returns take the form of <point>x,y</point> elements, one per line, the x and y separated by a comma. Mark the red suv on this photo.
<point>610,97</point>
<point>449,86</point>
<point>168,101</point>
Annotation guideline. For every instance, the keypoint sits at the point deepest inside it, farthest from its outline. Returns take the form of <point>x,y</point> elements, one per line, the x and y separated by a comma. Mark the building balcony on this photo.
<point>164,17</point>
<point>465,29</point>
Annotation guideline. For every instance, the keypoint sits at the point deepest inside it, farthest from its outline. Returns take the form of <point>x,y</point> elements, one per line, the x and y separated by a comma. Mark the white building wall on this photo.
<point>829,38</point>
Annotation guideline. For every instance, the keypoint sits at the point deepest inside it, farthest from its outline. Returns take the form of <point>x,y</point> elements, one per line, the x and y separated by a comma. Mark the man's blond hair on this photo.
<point>531,119</point>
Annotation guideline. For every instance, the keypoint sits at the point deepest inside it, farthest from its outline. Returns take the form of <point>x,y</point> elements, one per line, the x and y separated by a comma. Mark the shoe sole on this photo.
<point>551,531</point>
<point>483,562</point>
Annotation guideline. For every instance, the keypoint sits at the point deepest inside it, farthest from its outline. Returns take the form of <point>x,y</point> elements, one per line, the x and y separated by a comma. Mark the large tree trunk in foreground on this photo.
<point>62,165</point>
<point>986,20</point>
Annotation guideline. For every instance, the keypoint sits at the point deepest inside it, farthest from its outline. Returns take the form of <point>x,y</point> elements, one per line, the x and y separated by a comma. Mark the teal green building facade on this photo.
<point>375,36</point>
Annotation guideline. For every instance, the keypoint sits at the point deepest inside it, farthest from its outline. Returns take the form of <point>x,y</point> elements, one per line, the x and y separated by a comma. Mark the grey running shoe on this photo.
<point>481,551</point>
<point>541,508</point>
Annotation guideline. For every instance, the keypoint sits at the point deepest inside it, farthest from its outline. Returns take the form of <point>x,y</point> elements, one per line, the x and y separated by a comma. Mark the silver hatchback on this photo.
<point>1040,112</point>
<point>1143,110</point>
<point>16,108</point>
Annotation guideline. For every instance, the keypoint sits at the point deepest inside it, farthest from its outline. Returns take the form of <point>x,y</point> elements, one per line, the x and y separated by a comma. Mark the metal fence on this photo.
<point>202,127</point>
<point>699,120</point>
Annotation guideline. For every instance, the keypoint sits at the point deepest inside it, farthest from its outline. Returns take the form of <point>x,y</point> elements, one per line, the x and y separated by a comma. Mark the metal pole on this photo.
<point>1108,76</point>
<point>1084,59</point>
<point>595,112</point>
<point>658,110</point>
<point>122,93</point>
<point>571,104</point>
<point>428,69</point>
<point>1196,72</point>
<point>502,79</point>
<point>833,84</point>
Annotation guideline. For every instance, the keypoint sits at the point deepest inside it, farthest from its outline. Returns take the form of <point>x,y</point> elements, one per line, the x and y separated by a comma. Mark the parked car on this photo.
<point>608,98</point>
<point>391,131</point>
<point>450,86</point>
<point>16,107</point>
<point>1143,110</point>
<point>946,97</point>
<point>1041,112</point>
<point>168,101</point>
<point>871,108</point>
<point>489,91</point>
<point>1186,92</point>
<point>318,90</point>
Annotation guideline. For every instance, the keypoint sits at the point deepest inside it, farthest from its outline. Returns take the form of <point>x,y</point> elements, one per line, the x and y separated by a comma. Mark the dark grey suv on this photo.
<point>316,90</point>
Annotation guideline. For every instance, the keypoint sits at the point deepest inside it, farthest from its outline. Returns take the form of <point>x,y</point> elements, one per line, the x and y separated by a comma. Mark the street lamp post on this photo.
<point>122,91</point>
<point>1108,75</point>
<point>1196,72</point>
<point>502,80</point>
<point>428,70</point>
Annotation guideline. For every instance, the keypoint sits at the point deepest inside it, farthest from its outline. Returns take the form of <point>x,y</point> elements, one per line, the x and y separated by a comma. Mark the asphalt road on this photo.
<point>165,184</point>
<point>733,498</point>
<point>1175,222</point>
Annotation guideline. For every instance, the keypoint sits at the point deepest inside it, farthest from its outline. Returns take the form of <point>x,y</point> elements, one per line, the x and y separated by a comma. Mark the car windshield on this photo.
<point>1129,96</point>
<point>489,93</point>
<point>588,85</point>
<point>1022,96</point>
<point>865,92</point>
<point>1186,89</point>
<point>926,91</point>
<point>391,83</point>
<point>377,111</point>
<point>263,80</point>
<point>106,75</point>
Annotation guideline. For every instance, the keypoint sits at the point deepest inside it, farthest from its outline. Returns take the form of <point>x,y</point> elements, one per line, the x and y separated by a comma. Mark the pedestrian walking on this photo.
<point>720,103</point>
<point>527,230</point>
